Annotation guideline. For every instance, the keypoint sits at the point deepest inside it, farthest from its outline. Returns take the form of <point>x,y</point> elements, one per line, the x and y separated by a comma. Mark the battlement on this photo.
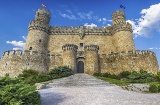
<point>43,11</point>
<point>69,47</point>
<point>19,53</point>
<point>43,15</point>
<point>38,25</point>
<point>122,27</point>
<point>91,47</point>
<point>130,53</point>
<point>72,30</point>
<point>118,13</point>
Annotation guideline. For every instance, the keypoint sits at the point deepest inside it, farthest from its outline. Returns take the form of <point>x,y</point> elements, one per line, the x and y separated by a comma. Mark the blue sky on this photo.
<point>144,15</point>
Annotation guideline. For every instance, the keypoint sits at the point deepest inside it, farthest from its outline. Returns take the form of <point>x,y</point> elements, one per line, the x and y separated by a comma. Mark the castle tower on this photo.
<point>38,31</point>
<point>69,55</point>
<point>91,58</point>
<point>122,32</point>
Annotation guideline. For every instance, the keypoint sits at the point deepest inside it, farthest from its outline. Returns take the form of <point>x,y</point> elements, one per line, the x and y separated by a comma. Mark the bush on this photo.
<point>43,77</point>
<point>141,77</point>
<point>158,88</point>
<point>124,74</point>
<point>32,77</point>
<point>158,76</point>
<point>153,88</point>
<point>62,71</point>
<point>113,76</point>
<point>28,73</point>
<point>19,94</point>
<point>7,80</point>
<point>96,74</point>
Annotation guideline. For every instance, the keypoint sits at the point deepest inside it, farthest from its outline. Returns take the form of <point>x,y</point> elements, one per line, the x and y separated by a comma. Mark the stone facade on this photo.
<point>107,49</point>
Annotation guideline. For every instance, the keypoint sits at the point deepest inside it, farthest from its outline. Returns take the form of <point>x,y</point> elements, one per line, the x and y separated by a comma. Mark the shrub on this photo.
<point>43,77</point>
<point>97,74</point>
<point>141,77</point>
<point>61,71</point>
<point>19,94</point>
<point>158,76</point>
<point>7,80</point>
<point>153,88</point>
<point>32,77</point>
<point>108,75</point>
<point>158,88</point>
<point>124,74</point>
<point>28,73</point>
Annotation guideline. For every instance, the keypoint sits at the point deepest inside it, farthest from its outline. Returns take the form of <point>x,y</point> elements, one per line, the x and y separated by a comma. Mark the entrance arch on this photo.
<point>80,67</point>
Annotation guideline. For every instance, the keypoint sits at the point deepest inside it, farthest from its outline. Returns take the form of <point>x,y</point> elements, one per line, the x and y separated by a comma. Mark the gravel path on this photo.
<point>97,95</point>
<point>83,89</point>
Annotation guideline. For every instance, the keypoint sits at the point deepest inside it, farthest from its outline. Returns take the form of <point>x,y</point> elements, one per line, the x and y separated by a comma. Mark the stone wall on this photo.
<point>57,41</point>
<point>129,61</point>
<point>14,62</point>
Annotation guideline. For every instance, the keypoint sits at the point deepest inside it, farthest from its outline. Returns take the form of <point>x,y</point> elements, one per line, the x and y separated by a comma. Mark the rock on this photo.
<point>137,87</point>
<point>40,86</point>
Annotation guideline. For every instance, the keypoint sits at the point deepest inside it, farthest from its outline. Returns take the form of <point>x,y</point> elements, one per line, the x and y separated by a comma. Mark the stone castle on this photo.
<point>108,49</point>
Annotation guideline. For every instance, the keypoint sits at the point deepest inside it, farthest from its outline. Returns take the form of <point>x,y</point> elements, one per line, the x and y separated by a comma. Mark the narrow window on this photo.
<point>30,48</point>
<point>81,44</point>
<point>39,40</point>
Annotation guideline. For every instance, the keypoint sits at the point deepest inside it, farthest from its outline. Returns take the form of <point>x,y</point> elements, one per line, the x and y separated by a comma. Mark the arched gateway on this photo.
<point>80,67</point>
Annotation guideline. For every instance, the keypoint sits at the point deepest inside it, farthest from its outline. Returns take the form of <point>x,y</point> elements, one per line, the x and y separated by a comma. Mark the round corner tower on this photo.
<point>38,31</point>
<point>91,59</point>
<point>69,55</point>
<point>122,32</point>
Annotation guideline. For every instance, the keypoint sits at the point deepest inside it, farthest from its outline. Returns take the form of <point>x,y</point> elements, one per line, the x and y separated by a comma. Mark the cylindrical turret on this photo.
<point>91,59</point>
<point>69,55</point>
<point>38,31</point>
<point>122,32</point>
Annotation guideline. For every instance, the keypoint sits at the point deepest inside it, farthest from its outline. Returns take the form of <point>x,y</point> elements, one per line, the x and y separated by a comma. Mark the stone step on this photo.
<point>78,80</point>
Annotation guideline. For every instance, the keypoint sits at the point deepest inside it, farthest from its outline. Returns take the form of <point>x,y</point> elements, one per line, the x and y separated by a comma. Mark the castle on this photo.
<point>108,49</point>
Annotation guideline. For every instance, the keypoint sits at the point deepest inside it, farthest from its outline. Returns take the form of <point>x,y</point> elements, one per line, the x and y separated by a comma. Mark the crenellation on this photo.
<point>11,52</point>
<point>18,52</point>
<point>69,47</point>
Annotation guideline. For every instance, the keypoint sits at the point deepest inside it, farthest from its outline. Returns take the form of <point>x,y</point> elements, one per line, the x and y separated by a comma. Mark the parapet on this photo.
<point>12,52</point>
<point>118,13</point>
<point>43,15</point>
<point>69,47</point>
<point>38,25</point>
<point>91,47</point>
<point>122,27</point>
<point>72,30</point>
<point>131,53</point>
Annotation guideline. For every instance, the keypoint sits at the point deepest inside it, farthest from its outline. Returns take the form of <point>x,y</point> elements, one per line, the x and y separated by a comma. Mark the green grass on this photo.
<point>150,83</point>
<point>114,81</point>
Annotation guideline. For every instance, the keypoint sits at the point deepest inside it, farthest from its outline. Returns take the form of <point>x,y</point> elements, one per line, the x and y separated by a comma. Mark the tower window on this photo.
<point>81,44</point>
<point>40,40</point>
<point>30,48</point>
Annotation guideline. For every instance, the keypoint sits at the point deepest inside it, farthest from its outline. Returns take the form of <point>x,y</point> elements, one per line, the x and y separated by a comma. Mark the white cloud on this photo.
<point>90,25</point>
<point>103,20</point>
<point>68,16</point>
<point>148,22</point>
<point>17,48</point>
<point>83,15</point>
<point>154,48</point>
<point>16,43</point>
<point>24,37</point>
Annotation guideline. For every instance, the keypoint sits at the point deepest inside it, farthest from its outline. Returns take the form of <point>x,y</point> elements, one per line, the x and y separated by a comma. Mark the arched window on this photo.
<point>30,48</point>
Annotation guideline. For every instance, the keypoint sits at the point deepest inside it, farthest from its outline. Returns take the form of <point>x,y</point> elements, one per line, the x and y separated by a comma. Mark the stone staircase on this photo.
<point>78,80</point>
